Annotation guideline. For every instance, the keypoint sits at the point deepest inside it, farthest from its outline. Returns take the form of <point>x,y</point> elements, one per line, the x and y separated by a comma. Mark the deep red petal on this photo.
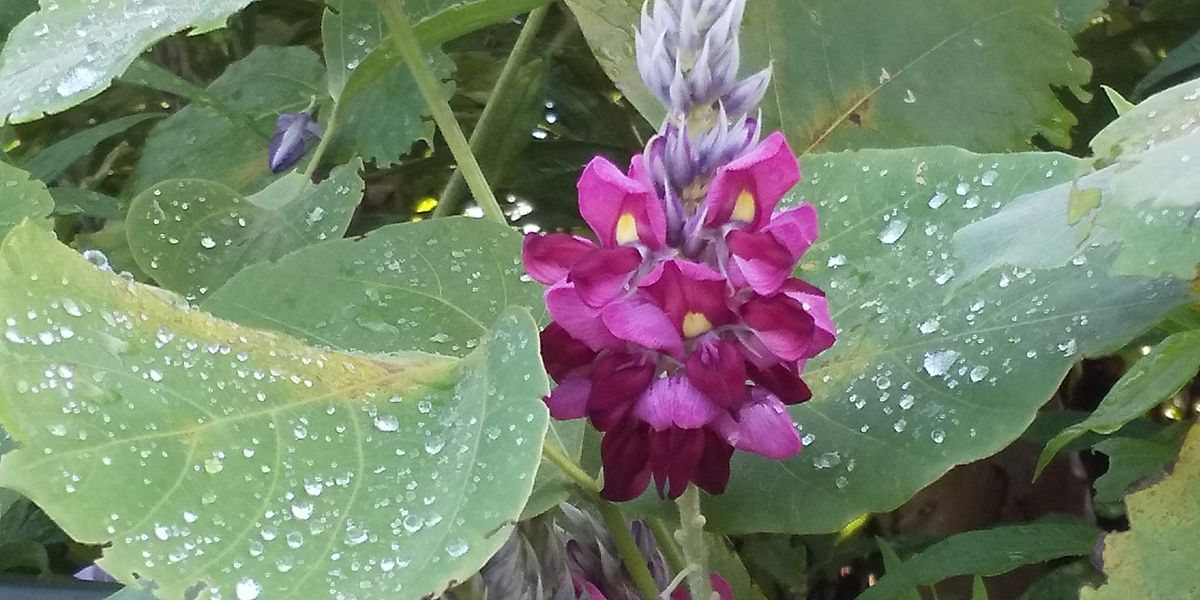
<point>568,400</point>
<point>620,381</point>
<point>719,369</point>
<point>624,454</point>
<point>563,354</point>
<point>796,229</point>
<point>782,380</point>
<point>712,472</point>
<point>577,318</point>
<point>673,402</point>
<point>548,257</point>
<point>782,324</point>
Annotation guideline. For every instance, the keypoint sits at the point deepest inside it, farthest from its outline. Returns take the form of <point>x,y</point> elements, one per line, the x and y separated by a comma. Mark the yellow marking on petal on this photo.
<point>695,324</point>
<point>626,229</point>
<point>745,207</point>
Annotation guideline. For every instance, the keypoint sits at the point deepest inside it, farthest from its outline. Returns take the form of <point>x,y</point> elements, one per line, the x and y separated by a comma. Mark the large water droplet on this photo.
<point>938,363</point>
<point>893,230</point>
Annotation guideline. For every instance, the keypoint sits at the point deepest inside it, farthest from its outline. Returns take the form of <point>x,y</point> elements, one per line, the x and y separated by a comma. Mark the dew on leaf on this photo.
<point>894,229</point>
<point>938,363</point>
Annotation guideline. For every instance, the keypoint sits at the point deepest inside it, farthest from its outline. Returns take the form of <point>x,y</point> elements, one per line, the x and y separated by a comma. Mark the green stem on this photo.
<point>410,50</point>
<point>502,95</point>
<point>617,526</point>
<point>331,125</point>
<point>691,539</point>
<point>666,543</point>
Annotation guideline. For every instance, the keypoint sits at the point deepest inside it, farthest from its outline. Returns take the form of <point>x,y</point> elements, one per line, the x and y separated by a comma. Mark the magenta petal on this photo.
<point>622,380</point>
<point>593,593</point>
<point>681,287</point>
<point>577,318</point>
<point>783,380</point>
<point>675,402</point>
<point>813,301</point>
<point>781,324</point>
<point>796,229</point>
<point>642,322</point>
<point>569,399</point>
<point>604,274</point>
<point>720,370</point>
<point>762,426</point>
<point>549,257</point>
<point>767,173</point>
<point>761,260</point>
<point>606,195</point>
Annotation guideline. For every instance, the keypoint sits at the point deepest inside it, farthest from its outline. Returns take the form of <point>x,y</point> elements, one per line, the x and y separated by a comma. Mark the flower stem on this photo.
<point>691,539</point>
<point>617,526</point>
<point>668,545</point>
<point>410,50</point>
<point>331,124</point>
<point>502,95</point>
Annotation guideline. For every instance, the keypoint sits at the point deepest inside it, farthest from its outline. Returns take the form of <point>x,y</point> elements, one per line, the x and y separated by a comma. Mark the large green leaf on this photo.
<point>1142,200</point>
<point>987,552</point>
<point>436,284</point>
<point>860,73</point>
<point>1130,460</point>
<point>71,50</point>
<point>277,469</point>
<point>192,235</point>
<point>1171,365</point>
<point>203,142</point>
<point>929,370</point>
<point>381,119</point>
<point>21,197</point>
<point>1154,559</point>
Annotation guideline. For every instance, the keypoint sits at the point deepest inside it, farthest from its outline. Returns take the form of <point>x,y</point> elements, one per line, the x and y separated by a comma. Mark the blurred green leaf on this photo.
<point>50,163</point>
<point>1075,15</point>
<point>192,235</point>
<point>1182,63</point>
<point>1170,366</point>
<point>988,552</point>
<point>78,201</point>
<point>860,74</point>
<point>21,198</point>
<point>272,459</point>
<point>1131,460</point>
<point>978,589</point>
<point>1154,558</point>
<point>892,565</point>
<point>201,142</point>
<point>65,54</point>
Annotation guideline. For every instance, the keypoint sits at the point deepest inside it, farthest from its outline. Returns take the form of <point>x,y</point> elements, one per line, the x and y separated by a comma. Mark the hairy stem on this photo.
<point>331,124</point>
<point>691,539</point>
<point>410,50</point>
<point>617,526</point>
<point>502,95</point>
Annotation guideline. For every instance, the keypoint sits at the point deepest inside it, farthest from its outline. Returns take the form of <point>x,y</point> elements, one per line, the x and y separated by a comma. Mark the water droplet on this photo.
<point>302,510</point>
<point>387,423</point>
<point>457,548</point>
<point>836,261</point>
<point>938,436</point>
<point>899,426</point>
<point>938,200</point>
<point>57,430</point>
<point>208,242</point>
<point>988,179</point>
<point>978,373</point>
<point>938,363</point>
<point>929,326</point>
<point>248,589</point>
<point>892,232</point>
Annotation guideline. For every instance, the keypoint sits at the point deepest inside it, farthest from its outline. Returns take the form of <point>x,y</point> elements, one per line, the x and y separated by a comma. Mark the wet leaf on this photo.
<point>383,118</point>
<point>1141,200</point>
<point>988,552</point>
<point>278,465</point>
<point>1131,460</point>
<point>192,235</point>
<point>70,51</point>
<point>1170,366</point>
<point>1154,558</point>
<point>930,369</point>
<point>973,74</point>
<point>203,141</point>
<point>21,197</point>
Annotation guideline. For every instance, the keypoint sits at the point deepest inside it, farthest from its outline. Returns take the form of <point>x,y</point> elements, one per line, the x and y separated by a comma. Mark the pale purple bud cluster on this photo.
<point>688,54</point>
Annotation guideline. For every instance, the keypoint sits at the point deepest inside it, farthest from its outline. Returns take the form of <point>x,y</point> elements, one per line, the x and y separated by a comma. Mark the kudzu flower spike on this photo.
<point>680,333</point>
<point>294,132</point>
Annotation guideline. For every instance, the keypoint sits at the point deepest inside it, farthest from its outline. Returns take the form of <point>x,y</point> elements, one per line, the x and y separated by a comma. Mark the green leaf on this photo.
<point>68,52</point>
<point>1062,583</point>
<point>551,485</point>
<point>1170,366</point>
<point>203,142</point>
<point>892,565</point>
<point>930,369</point>
<point>1155,558</point>
<point>21,198</point>
<point>1131,460</point>
<point>276,466</point>
<point>78,201</point>
<point>147,74</point>
<point>1076,15</point>
<point>11,13</point>
<point>987,552</point>
<point>1184,60</point>
<point>193,235</point>
<point>724,560</point>
<point>436,284</point>
<point>51,162</point>
<point>383,118</point>
<point>974,74</point>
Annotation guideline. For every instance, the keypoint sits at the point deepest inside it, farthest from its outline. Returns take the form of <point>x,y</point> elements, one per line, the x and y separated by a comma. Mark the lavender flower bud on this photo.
<point>293,133</point>
<point>688,54</point>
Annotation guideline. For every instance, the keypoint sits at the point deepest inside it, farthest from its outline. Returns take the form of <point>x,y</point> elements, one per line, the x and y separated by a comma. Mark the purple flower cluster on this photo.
<point>680,332</point>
